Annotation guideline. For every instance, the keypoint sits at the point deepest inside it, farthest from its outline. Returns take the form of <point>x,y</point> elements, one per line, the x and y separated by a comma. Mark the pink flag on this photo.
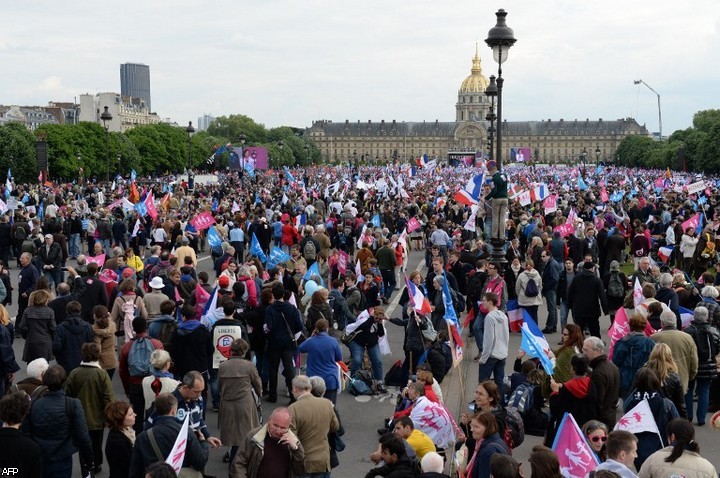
<point>575,455</point>
<point>413,224</point>
<point>620,328</point>
<point>571,217</point>
<point>565,229</point>
<point>150,205</point>
<point>343,258</point>
<point>693,222</point>
<point>99,260</point>
<point>201,298</point>
<point>599,222</point>
<point>604,195</point>
<point>202,221</point>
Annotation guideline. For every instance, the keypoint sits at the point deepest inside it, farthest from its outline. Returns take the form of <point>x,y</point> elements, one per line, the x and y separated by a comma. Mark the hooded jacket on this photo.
<point>495,337</point>
<point>571,398</point>
<point>68,340</point>
<point>630,353</point>
<point>521,285</point>
<point>707,340</point>
<point>192,347</point>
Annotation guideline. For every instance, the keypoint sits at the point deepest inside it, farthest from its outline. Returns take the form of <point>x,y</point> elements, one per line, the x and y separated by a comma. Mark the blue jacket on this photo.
<point>491,445</point>
<point>323,354</point>
<point>57,424</point>
<point>629,354</point>
<point>70,335</point>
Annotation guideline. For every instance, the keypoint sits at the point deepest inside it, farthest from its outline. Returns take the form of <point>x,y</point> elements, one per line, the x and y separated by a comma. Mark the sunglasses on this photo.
<point>598,438</point>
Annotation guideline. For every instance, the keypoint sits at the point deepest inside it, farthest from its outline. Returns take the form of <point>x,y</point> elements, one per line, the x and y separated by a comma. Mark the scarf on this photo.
<point>471,463</point>
<point>129,432</point>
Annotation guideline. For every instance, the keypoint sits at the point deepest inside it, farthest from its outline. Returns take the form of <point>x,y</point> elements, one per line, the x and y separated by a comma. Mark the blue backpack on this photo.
<point>139,357</point>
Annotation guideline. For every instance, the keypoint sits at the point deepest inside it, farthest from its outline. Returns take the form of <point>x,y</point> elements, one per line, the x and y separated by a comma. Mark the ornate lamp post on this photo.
<point>500,39</point>
<point>106,118</point>
<point>597,156</point>
<point>491,92</point>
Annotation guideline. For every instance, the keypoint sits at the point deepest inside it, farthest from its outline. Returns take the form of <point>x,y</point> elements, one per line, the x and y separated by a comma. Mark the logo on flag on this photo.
<point>413,224</point>
<point>574,454</point>
<point>639,419</point>
<point>202,221</point>
<point>550,204</point>
<point>534,343</point>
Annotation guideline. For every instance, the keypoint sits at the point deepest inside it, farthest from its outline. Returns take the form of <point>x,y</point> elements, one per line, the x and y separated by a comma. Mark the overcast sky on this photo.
<point>286,62</point>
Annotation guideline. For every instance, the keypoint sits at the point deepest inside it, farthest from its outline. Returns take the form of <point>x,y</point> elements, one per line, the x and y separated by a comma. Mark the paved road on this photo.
<point>363,415</point>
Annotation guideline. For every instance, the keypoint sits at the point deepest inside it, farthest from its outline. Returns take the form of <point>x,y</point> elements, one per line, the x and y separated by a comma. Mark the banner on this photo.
<point>575,455</point>
<point>99,260</point>
<point>696,187</point>
<point>524,198</point>
<point>413,224</point>
<point>343,259</point>
<point>550,204</point>
<point>565,229</point>
<point>223,337</point>
<point>256,250</point>
<point>213,237</point>
<point>150,206</point>
<point>202,221</point>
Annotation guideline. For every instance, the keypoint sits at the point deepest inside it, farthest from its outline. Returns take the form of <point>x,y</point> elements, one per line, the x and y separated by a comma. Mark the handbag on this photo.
<point>347,338</point>
<point>296,340</point>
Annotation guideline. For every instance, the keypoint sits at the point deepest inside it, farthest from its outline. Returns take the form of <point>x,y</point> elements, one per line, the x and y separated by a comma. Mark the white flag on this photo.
<point>177,454</point>
<point>470,224</point>
<point>358,272</point>
<point>235,207</point>
<point>285,199</point>
<point>3,207</point>
<point>639,419</point>
<point>136,228</point>
<point>637,293</point>
<point>362,234</point>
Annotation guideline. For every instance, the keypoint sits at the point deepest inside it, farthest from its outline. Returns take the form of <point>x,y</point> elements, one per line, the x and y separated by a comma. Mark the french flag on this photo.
<point>539,193</point>
<point>470,194</point>
<point>421,304</point>
<point>686,316</point>
<point>534,343</point>
<point>665,252</point>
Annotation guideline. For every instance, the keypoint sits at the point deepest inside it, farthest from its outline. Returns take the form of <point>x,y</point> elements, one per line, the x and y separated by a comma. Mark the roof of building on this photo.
<point>476,82</point>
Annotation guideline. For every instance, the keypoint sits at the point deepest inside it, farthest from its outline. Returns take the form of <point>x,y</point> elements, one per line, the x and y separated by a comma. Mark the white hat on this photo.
<point>157,283</point>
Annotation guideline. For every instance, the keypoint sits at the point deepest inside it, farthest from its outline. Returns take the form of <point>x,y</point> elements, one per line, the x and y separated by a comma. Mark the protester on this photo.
<point>604,381</point>
<point>681,458</point>
<point>621,447</point>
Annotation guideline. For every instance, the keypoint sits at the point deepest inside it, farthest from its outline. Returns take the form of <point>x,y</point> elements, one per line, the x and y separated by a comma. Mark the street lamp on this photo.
<point>189,130</point>
<point>500,39</point>
<point>119,159</point>
<point>597,156</point>
<point>637,82</point>
<point>106,118</point>
<point>491,92</point>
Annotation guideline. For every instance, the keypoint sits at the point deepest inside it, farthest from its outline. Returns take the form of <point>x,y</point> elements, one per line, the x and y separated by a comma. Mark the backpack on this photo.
<point>531,289</point>
<point>458,302</point>
<point>139,357</point>
<point>20,233</point>
<point>309,250</point>
<point>130,312</point>
<point>514,433</point>
<point>429,332</point>
<point>363,304</point>
<point>615,286</point>
<point>521,398</point>
<point>361,383</point>
<point>167,329</point>
<point>709,250</point>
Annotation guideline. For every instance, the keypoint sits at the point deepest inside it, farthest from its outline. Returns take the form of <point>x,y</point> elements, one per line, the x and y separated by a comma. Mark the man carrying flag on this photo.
<point>496,337</point>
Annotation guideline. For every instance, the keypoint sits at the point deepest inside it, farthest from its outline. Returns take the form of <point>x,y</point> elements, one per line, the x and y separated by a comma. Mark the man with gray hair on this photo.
<point>604,381</point>
<point>683,347</point>
<point>312,419</point>
<point>707,341</point>
<point>667,295</point>
<point>432,466</point>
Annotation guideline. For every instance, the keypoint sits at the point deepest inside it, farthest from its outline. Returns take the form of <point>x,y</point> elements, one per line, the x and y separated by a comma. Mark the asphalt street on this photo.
<point>362,416</point>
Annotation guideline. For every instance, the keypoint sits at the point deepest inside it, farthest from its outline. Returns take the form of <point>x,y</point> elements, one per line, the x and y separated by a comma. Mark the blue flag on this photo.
<point>533,342</point>
<point>214,206</point>
<point>701,225</point>
<point>213,238</point>
<point>141,208</point>
<point>582,185</point>
<point>41,211</point>
<point>133,175</point>
<point>450,315</point>
<point>314,270</point>
<point>375,220</point>
<point>278,256</point>
<point>256,250</point>
<point>288,176</point>
<point>25,198</point>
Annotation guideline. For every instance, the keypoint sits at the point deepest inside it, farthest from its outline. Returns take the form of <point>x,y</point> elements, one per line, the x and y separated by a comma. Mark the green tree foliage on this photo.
<point>17,152</point>
<point>693,149</point>
<point>232,127</point>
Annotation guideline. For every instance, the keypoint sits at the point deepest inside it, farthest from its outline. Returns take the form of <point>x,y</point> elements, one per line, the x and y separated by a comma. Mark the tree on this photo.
<point>705,120</point>
<point>17,152</point>
<point>635,150</point>
<point>233,126</point>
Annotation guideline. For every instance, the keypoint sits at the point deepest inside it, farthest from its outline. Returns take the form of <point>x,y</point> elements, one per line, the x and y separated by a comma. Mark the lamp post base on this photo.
<point>498,254</point>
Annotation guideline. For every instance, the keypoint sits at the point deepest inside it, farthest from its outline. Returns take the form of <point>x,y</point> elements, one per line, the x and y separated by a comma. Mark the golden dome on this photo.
<point>476,82</point>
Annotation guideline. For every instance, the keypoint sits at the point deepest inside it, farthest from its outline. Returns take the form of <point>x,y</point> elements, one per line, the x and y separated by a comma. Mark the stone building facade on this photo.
<point>558,141</point>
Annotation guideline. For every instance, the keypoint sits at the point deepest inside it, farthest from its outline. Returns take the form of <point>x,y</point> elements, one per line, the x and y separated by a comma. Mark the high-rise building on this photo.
<point>135,82</point>
<point>204,121</point>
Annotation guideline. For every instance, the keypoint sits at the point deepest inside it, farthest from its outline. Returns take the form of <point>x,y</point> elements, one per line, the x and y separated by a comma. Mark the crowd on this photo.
<point>305,263</point>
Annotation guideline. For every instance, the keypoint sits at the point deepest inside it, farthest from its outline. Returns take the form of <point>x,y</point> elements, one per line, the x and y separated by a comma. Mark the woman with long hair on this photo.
<point>38,327</point>
<point>572,336</point>
<point>544,463</point>
<point>487,399</point>
<point>596,434</point>
<point>319,309</point>
<point>104,330</point>
<point>662,363</point>
<point>647,387</point>
<point>681,458</point>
